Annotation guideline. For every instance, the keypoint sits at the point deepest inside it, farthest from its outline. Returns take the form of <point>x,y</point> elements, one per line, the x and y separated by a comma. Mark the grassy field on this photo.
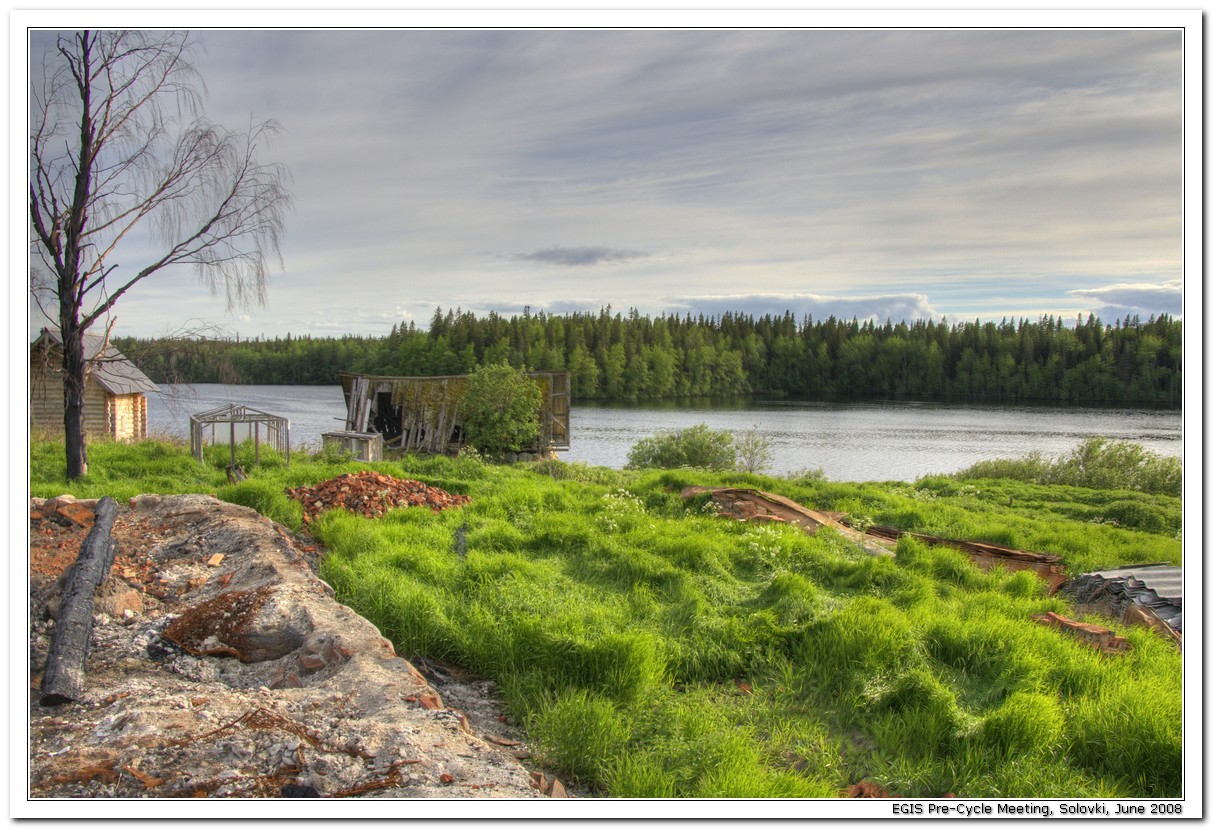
<point>654,649</point>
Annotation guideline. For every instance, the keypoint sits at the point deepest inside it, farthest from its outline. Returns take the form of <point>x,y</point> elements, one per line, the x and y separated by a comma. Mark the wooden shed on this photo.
<point>115,394</point>
<point>422,413</point>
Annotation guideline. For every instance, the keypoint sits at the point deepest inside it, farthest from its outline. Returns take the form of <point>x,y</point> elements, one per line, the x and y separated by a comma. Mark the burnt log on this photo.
<point>63,680</point>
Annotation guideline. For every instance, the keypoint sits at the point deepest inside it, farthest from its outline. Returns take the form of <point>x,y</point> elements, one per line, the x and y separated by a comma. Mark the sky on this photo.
<point>870,173</point>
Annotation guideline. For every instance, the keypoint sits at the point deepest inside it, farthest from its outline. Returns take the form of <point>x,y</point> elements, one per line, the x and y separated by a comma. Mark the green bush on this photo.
<point>754,452</point>
<point>500,409</point>
<point>696,446</point>
<point>1096,463</point>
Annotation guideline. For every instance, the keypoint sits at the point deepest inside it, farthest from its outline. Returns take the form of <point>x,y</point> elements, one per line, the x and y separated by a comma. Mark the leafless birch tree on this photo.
<point>117,142</point>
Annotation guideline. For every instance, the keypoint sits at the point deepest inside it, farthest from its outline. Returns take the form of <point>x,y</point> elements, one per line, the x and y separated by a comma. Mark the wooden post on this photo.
<point>63,680</point>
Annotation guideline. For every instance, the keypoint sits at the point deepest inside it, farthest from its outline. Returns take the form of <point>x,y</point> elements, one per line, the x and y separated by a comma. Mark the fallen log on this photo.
<point>63,680</point>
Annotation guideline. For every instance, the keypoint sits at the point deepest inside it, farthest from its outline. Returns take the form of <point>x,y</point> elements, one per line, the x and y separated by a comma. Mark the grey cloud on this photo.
<point>896,307</point>
<point>879,160</point>
<point>1117,302</point>
<point>581,256</point>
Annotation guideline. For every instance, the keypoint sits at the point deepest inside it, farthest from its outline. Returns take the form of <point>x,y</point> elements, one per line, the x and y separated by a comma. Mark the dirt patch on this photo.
<point>241,676</point>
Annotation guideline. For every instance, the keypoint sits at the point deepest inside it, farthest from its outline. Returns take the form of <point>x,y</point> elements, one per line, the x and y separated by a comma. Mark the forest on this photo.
<point>629,357</point>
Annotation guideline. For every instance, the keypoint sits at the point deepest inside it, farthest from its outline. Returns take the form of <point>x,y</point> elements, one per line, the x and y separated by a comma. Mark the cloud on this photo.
<point>581,256</point>
<point>1141,299</point>
<point>991,170</point>
<point>896,307</point>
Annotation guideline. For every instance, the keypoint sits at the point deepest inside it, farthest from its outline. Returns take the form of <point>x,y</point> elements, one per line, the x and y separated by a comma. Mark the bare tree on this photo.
<point>116,142</point>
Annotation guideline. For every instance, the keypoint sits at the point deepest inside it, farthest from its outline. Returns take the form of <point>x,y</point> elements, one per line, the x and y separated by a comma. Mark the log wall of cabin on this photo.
<point>128,416</point>
<point>101,415</point>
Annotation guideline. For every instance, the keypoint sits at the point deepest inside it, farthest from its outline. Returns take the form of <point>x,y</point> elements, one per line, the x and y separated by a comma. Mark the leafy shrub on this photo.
<point>332,453</point>
<point>1099,463</point>
<point>501,409</point>
<point>807,476</point>
<point>1096,463</point>
<point>754,452</point>
<point>696,446</point>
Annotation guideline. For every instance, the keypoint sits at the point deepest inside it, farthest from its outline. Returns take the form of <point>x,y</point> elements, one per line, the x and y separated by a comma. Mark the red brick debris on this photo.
<point>371,494</point>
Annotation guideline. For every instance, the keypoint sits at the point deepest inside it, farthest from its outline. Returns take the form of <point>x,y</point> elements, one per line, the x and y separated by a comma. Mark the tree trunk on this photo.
<point>74,436</point>
<point>63,680</point>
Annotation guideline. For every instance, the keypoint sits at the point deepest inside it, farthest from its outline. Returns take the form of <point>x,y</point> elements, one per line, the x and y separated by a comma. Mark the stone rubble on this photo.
<point>241,676</point>
<point>371,494</point>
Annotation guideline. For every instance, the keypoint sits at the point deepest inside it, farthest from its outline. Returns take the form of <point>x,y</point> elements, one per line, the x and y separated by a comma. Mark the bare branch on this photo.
<point>116,144</point>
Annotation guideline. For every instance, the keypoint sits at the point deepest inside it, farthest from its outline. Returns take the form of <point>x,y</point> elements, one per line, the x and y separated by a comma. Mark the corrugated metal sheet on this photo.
<point>1166,580</point>
<point>1156,586</point>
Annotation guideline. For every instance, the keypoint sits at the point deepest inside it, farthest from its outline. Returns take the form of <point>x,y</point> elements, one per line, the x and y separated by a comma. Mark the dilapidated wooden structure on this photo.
<point>115,391</point>
<point>421,414</point>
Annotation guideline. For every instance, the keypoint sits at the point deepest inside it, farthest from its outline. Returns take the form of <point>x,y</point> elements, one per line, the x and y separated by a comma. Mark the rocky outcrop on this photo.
<point>221,666</point>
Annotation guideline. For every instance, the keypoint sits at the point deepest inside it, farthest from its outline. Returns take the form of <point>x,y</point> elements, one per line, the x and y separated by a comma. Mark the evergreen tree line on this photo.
<point>612,356</point>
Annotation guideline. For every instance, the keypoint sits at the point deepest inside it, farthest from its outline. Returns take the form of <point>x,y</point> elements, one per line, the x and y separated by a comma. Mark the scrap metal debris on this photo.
<point>753,505</point>
<point>866,788</point>
<point>1148,594</point>
<point>987,556</point>
<point>371,494</point>
<point>1097,636</point>
<point>745,504</point>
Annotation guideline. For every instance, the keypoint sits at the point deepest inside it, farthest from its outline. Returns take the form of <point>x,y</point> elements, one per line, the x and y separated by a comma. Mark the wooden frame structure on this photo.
<point>421,414</point>
<point>242,423</point>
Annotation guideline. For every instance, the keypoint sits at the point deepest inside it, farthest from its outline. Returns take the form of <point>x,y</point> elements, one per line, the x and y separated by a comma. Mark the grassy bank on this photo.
<point>655,649</point>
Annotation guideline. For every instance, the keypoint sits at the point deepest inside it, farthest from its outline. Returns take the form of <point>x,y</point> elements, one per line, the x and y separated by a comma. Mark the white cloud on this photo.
<point>895,307</point>
<point>1124,300</point>
<point>850,172</point>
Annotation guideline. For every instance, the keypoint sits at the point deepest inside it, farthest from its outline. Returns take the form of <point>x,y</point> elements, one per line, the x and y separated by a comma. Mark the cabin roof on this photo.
<point>111,369</point>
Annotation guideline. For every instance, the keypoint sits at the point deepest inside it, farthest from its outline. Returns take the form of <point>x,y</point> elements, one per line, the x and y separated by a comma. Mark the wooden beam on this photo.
<point>63,680</point>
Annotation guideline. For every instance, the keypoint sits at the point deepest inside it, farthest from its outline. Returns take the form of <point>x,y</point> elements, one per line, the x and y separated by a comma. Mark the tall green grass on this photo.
<point>655,650</point>
<point>620,619</point>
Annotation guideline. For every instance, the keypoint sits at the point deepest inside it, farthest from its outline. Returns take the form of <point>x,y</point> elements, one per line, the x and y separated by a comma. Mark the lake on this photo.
<point>877,441</point>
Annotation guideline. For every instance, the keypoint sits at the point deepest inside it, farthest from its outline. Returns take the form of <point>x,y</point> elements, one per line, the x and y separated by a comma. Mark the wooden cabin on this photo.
<point>421,414</point>
<point>115,392</point>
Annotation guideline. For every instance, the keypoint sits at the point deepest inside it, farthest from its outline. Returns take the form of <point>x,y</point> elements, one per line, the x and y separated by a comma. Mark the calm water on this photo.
<point>848,441</point>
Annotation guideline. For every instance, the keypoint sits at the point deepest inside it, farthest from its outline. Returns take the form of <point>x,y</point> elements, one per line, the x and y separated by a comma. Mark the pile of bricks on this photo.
<point>371,494</point>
